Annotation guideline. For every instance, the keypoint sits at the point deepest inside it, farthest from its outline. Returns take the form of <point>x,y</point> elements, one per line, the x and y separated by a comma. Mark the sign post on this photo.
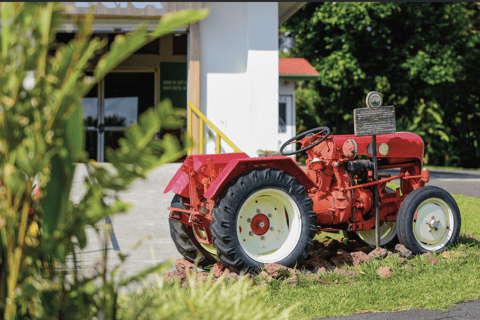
<point>369,122</point>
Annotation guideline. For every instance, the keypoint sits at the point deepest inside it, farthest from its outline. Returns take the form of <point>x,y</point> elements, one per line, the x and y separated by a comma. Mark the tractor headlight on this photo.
<point>383,149</point>
<point>350,149</point>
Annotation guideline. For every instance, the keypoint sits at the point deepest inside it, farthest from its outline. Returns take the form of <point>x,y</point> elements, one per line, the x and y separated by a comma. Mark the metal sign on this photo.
<point>370,122</point>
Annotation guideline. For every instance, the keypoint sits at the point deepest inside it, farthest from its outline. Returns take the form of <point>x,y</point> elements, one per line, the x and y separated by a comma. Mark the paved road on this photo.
<point>466,182</point>
<point>468,310</point>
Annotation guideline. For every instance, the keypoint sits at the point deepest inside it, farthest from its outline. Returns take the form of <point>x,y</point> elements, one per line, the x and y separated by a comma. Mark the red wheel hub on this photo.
<point>260,224</point>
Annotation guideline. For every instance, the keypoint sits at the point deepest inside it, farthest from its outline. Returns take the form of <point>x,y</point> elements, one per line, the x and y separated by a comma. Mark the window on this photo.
<point>179,44</point>
<point>150,48</point>
<point>282,117</point>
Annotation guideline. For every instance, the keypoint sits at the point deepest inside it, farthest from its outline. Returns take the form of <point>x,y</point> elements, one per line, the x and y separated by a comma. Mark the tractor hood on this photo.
<point>402,146</point>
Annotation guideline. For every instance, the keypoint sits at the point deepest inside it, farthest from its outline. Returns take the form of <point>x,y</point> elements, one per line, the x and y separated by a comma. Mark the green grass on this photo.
<point>429,286</point>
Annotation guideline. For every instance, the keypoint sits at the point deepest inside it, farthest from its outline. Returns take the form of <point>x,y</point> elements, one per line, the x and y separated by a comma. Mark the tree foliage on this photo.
<point>42,135</point>
<point>422,57</point>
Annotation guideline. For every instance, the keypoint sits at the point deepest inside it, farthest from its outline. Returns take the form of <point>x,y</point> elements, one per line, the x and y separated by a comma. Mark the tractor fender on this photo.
<point>238,166</point>
<point>180,181</point>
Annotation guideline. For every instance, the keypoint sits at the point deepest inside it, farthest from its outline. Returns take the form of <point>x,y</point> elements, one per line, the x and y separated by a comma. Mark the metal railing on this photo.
<point>220,135</point>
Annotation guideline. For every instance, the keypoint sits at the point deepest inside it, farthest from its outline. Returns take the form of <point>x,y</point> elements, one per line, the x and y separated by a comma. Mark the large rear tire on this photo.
<point>185,241</point>
<point>264,216</point>
<point>428,220</point>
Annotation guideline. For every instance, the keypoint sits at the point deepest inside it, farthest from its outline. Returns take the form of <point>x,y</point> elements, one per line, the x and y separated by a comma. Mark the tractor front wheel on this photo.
<point>185,241</point>
<point>428,220</point>
<point>264,216</point>
<point>388,233</point>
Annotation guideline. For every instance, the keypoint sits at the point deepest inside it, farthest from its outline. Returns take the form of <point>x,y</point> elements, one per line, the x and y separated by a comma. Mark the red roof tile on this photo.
<point>296,67</point>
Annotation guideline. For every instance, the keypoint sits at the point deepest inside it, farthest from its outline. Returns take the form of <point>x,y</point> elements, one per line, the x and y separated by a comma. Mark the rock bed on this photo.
<point>326,254</point>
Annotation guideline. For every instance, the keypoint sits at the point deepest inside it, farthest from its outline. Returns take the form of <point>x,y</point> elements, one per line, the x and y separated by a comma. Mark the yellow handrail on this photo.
<point>203,119</point>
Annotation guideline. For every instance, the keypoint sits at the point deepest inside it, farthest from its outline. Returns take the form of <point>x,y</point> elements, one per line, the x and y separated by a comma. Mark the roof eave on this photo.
<point>297,77</point>
<point>287,9</point>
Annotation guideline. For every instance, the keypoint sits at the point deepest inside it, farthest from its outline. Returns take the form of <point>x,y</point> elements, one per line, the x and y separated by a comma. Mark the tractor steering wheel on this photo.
<point>301,135</point>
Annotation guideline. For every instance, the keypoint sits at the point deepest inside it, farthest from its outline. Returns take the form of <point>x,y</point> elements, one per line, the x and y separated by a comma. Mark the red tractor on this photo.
<point>250,211</point>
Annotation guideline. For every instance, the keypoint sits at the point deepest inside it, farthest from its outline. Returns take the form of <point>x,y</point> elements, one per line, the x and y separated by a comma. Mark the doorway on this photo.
<point>112,105</point>
<point>286,121</point>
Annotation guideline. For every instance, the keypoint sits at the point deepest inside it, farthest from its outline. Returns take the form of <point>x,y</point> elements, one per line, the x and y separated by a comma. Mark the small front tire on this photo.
<point>428,220</point>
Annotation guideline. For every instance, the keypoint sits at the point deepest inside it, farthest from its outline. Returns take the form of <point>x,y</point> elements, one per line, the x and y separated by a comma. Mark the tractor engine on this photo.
<point>335,171</point>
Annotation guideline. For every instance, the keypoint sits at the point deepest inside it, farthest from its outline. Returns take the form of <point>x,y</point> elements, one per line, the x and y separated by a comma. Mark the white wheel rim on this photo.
<point>433,224</point>
<point>210,248</point>
<point>282,235</point>
<point>388,231</point>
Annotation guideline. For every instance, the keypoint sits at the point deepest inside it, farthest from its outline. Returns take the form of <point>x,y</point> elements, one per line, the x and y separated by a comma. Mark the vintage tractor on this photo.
<point>250,211</point>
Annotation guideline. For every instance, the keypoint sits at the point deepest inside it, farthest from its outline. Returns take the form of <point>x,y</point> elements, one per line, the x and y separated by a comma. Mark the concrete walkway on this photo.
<point>148,219</point>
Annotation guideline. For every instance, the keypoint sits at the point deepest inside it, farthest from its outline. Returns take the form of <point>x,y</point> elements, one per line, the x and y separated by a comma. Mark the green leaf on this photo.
<point>75,135</point>
<point>55,202</point>
<point>436,115</point>
<point>23,161</point>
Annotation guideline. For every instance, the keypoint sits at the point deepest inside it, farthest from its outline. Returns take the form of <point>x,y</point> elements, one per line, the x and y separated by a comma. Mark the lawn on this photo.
<point>430,286</point>
<point>422,282</point>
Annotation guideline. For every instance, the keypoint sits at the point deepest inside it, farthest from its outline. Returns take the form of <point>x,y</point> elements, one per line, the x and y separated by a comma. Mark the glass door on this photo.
<point>112,106</point>
<point>90,106</point>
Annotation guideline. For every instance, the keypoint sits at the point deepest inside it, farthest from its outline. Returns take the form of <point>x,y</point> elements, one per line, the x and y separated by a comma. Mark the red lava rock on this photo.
<point>470,236</point>
<point>341,258</point>
<point>378,253</point>
<point>403,251</point>
<point>352,245</point>
<point>292,281</point>
<point>174,275</point>
<point>407,267</point>
<point>433,260</point>
<point>319,270</point>
<point>219,268</point>
<point>202,276</point>
<point>366,249</point>
<point>336,245</point>
<point>263,274</point>
<point>384,272</point>
<point>307,273</point>
<point>233,276</point>
<point>317,245</point>
<point>316,262</point>
<point>183,265</point>
<point>276,271</point>
<point>345,273</point>
<point>359,257</point>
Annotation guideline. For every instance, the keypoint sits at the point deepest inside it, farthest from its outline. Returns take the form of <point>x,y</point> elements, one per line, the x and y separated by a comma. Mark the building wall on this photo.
<point>239,73</point>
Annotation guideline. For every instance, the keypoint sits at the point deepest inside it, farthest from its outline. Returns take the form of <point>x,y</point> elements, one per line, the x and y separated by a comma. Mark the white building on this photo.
<point>227,65</point>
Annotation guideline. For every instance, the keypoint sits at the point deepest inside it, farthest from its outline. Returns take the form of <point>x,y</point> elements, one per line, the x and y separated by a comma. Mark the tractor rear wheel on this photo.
<point>428,220</point>
<point>264,216</point>
<point>388,233</point>
<point>185,241</point>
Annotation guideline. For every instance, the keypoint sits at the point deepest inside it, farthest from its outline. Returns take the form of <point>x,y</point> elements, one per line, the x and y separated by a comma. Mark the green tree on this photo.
<point>422,57</point>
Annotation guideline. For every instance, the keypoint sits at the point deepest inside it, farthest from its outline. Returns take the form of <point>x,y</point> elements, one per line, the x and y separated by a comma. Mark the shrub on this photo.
<point>41,137</point>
